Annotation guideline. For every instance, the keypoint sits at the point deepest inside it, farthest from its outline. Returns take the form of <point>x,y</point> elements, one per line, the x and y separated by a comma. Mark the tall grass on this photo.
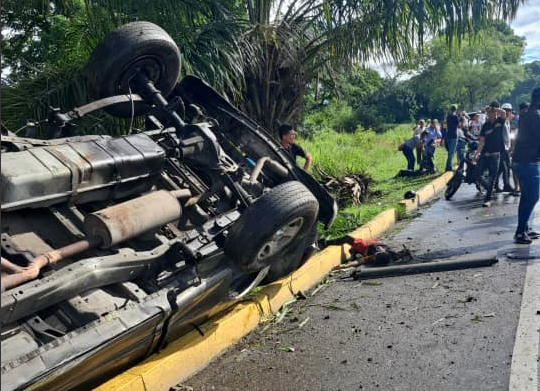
<point>371,153</point>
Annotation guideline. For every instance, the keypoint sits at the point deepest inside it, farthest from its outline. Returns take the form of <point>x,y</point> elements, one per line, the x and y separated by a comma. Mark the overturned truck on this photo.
<point>112,247</point>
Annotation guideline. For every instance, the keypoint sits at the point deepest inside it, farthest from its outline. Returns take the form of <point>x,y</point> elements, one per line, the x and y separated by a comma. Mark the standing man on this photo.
<point>287,136</point>
<point>491,144</point>
<point>451,135</point>
<point>523,107</point>
<point>526,165</point>
<point>417,131</point>
<point>432,138</point>
<point>504,162</point>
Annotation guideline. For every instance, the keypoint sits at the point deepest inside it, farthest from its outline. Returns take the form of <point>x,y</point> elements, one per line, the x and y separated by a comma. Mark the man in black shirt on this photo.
<point>450,138</point>
<point>526,165</point>
<point>491,144</point>
<point>286,139</point>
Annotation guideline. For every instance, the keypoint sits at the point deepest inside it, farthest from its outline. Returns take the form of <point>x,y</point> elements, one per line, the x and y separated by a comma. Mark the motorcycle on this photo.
<point>467,172</point>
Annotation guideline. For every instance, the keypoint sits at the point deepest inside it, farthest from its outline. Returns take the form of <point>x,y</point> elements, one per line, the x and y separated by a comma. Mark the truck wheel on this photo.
<point>132,47</point>
<point>273,226</point>
<point>293,259</point>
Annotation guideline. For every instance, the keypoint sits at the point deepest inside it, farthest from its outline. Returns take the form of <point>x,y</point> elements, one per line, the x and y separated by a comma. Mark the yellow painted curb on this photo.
<point>124,382</point>
<point>427,193</point>
<point>410,205</point>
<point>192,352</point>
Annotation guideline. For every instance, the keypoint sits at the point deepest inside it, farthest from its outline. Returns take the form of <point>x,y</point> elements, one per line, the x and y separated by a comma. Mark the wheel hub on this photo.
<point>148,65</point>
<point>280,239</point>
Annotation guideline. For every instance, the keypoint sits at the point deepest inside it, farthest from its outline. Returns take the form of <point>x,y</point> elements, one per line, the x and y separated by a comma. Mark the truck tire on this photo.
<point>273,226</point>
<point>134,46</point>
<point>293,259</point>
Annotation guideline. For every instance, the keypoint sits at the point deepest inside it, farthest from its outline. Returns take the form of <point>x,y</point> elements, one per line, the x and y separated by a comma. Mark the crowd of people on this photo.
<point>459,130</point>
<point>506,145</point>
<point>505,142</point>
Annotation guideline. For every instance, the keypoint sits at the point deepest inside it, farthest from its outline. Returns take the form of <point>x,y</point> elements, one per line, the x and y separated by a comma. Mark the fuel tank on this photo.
<point>80,172</point>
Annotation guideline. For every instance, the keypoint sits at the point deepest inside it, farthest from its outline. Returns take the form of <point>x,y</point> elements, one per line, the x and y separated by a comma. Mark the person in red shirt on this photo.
<point>372,251</point>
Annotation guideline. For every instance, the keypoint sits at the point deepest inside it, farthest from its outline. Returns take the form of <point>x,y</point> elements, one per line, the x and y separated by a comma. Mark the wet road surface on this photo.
<point>452,330</point>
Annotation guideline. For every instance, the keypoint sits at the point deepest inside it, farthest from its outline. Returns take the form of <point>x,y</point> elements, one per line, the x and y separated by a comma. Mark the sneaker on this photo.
<point>486,204</point>
<point>533,234</point>
<point>522,238</point>
<point>516,193</point>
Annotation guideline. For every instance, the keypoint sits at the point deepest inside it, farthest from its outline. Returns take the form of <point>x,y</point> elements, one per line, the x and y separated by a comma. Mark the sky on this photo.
<point>527,24</point>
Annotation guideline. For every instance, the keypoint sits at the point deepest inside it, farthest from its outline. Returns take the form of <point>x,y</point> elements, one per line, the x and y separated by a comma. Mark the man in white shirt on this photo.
<point>504,162</point>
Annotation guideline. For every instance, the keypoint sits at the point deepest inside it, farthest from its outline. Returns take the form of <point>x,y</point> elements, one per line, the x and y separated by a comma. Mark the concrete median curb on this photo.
<point>427,193</point>
<point>192,352</point>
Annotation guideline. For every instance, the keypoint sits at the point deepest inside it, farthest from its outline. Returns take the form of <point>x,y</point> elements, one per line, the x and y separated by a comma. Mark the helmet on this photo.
<point>410,194</point>
<point>506,106</point>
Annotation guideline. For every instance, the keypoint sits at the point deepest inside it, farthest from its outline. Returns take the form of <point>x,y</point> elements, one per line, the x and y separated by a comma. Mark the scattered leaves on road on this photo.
<point>476,319</point>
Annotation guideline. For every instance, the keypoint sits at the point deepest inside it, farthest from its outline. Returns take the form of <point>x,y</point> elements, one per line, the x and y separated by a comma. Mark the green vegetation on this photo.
<point>481,70</point>
<point>372,153</point>
<point>359,96</point>
<point>298,62</point>
<point>264,54</point>
<point>522,91</point>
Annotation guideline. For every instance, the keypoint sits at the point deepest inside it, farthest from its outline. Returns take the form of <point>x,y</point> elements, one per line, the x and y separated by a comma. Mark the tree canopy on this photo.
<point>261,53</point>
<point>530,80</point>
<point>482,69</point>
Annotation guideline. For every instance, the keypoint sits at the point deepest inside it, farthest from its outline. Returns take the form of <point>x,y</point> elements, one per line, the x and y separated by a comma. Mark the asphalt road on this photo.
<point>452,330</point>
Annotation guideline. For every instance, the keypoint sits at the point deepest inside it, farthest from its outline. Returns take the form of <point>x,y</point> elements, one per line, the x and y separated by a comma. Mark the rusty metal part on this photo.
<point>258,168</point>
<point>181,193</point>
<point>9,267</point>
<point>120,222</point>
<point>23,274</point>
<point>272,165</point>
<point>81,111</point>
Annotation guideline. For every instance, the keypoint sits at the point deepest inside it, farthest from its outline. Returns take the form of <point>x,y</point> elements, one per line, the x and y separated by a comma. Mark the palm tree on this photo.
<point>47,72</point>
<point>262,53</point>
<point>301,39</point>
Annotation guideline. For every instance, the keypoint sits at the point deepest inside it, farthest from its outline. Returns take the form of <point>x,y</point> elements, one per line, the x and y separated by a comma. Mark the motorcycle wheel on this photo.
<point>453,185</point>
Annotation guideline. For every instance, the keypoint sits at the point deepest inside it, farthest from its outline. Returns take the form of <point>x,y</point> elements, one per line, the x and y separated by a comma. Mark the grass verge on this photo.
<point>372,153</point>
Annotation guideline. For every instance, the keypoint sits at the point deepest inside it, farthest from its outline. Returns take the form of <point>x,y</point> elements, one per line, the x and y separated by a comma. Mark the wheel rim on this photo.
<point>149,65</point>
<point>280,239</point>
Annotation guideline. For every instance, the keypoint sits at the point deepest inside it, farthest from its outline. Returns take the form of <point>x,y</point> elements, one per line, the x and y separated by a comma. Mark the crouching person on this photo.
<point>408,148</point>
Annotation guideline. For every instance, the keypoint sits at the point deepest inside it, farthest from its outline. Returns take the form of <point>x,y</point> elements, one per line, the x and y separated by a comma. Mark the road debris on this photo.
<point>352,187</point>
<point>303,323</point>
<point>476,319</point>
<point>372,283</point>
<point>438,321</point>
<point>416,268</point>
<point>467,299</point>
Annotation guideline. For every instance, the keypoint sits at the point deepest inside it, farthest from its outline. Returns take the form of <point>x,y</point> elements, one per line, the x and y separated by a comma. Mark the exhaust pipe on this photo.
<point>105,228</point>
